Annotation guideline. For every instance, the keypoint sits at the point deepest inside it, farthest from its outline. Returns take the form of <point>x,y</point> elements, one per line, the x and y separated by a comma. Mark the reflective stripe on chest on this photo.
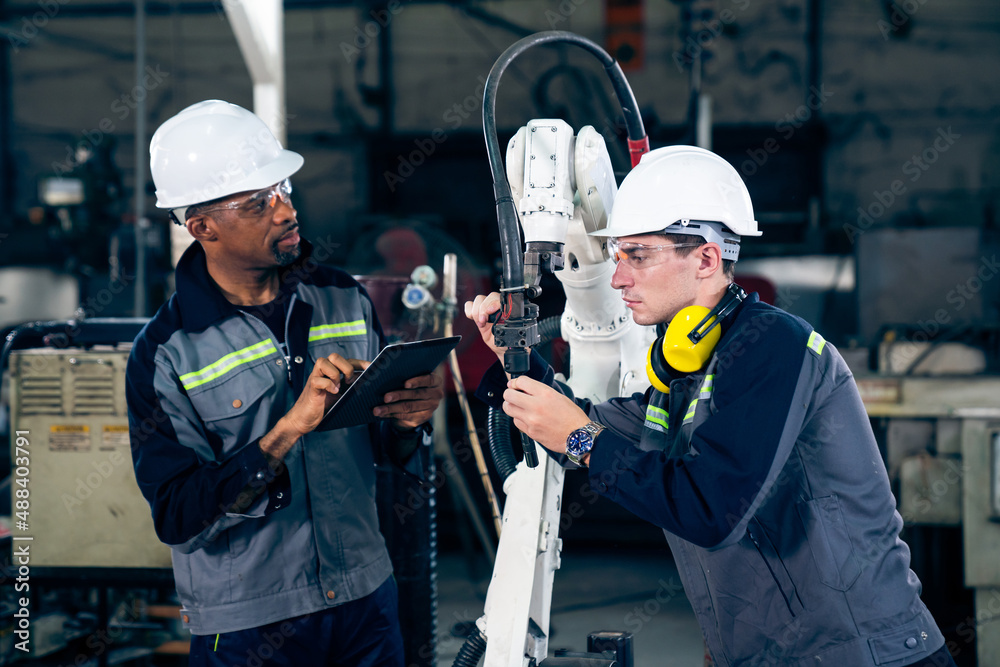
<point>228,363</point>
<point>707,385</point>
<point>343,330</point>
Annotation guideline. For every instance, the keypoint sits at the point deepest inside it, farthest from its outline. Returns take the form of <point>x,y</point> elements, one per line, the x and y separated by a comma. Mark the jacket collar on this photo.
<point>729,319</point>
<point>201,302</point>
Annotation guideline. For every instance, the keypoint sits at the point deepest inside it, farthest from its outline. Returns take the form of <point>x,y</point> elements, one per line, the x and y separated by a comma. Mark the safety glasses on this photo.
<point>258,203</point>
<point>640,255</point>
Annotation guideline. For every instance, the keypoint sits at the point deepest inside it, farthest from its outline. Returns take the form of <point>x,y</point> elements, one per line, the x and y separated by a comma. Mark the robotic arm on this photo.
<point>544,185</point>
<point>564,186</point>
<point>557,188</point>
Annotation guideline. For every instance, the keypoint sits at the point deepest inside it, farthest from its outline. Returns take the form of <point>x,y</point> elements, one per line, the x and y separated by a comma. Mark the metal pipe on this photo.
<point>122,9</point>
<point>449,300</point>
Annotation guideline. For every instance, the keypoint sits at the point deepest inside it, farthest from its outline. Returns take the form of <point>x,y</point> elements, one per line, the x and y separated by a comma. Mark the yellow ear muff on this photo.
<point>678,350</point>
<point>658,374</point>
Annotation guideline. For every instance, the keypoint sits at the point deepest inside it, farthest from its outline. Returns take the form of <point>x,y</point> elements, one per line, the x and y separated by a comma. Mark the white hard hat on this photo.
<point>214,149</point>
<point>684,190</point>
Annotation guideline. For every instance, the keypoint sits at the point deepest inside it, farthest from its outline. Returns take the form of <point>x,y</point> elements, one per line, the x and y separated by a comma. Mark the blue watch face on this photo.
<point>580,442</point>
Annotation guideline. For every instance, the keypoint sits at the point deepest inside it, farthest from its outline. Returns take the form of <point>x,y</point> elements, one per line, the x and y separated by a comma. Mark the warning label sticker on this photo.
<point>69,438</point>
<point>114,436</point>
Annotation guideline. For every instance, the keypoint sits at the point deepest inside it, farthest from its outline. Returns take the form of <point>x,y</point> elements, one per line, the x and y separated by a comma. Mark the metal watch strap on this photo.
<point>593,429</point>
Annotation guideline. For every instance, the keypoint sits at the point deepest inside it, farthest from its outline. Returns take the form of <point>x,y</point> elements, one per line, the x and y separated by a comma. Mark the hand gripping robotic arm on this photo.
<point>560,188</point>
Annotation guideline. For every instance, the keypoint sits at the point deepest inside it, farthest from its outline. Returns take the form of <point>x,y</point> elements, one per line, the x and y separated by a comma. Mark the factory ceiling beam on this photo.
<point>113,9</point>
<point>259,29</point>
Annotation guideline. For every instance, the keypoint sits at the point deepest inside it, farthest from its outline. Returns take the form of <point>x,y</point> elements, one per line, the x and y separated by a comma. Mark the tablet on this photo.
<point>390,370</point>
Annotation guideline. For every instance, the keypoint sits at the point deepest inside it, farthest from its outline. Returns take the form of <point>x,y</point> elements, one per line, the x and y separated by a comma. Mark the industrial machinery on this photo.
<point>557,187</point>
<point>929,306</point>
<point>85,507</point>
<point>78,521</point>
<point>943,449</point>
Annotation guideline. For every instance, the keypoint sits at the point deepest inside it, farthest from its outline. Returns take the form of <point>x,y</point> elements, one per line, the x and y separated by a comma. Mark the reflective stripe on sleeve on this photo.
<point>816,343</point>
<point>657,416</point>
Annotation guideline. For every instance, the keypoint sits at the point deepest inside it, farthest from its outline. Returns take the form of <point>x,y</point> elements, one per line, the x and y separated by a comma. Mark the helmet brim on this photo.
<point>283,166</point>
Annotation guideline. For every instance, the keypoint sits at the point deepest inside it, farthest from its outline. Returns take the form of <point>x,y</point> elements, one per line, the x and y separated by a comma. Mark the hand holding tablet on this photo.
<point>388,372</point>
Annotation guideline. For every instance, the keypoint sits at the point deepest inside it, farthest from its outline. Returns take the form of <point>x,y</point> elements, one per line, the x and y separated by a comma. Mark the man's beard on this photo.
<point>284,258</point>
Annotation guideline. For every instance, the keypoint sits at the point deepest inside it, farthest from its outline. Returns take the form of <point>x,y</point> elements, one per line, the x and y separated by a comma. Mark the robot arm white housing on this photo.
<point>563,187</point>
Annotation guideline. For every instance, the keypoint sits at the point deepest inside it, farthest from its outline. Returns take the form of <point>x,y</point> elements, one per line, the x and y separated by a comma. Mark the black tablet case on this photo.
<point>390,370</point>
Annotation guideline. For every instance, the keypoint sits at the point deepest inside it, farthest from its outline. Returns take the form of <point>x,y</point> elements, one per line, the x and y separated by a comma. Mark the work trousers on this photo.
<point>360,633</point>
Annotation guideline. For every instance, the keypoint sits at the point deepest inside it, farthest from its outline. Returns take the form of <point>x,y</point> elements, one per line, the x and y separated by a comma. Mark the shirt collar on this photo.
<point>201,302</point>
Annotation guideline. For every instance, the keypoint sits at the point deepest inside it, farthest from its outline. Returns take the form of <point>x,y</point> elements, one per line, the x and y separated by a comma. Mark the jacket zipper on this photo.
<point>285,348</point>
<point>281,346</point>
<point>774,577</point>
<point>288,319</point>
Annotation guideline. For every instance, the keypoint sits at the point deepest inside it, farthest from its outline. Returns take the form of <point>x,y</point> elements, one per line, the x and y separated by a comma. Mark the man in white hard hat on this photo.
<point>751,449</point>
<point>277,554</point>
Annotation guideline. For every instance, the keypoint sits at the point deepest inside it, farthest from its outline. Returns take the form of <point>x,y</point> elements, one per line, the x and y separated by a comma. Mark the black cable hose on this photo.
<point>510,238</point>
<point>499,425</point>
<point>498,431</point>
<point>472,650</point>
<point>549,329</point>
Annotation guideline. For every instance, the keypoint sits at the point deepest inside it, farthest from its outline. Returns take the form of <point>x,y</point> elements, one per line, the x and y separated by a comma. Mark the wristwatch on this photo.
<point>581,441</point>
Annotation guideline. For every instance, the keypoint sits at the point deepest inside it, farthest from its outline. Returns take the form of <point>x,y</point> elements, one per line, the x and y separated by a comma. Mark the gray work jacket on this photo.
<point>205,381</point>
<point>809,569</point>
<point>763,471</point>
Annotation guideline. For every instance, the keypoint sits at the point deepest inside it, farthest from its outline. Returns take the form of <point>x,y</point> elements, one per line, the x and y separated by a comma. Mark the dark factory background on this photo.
<point>867,132</point>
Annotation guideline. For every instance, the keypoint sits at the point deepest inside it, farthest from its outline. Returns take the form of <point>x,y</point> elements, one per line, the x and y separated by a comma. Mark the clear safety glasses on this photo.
<point>256,204</point>
<point>640,255</point>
